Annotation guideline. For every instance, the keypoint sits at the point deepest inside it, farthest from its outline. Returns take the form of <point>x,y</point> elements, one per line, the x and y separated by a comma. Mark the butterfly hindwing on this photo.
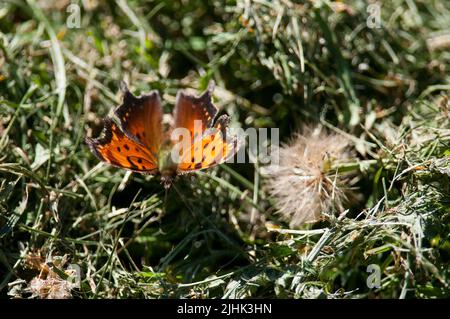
<point>116,148</point>
<point>214,147</point>
<point>141,118</point>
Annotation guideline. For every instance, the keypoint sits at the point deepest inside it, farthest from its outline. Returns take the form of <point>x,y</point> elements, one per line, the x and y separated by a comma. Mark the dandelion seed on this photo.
<point>50,288</point>
<point>48,284</point>
<point>305,184</point>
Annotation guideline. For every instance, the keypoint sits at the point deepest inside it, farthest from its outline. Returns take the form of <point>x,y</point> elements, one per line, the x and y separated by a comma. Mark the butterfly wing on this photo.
<point>118,149</point>
<point>214,147</point>
<point>189,108</point>
<point>141,118</point>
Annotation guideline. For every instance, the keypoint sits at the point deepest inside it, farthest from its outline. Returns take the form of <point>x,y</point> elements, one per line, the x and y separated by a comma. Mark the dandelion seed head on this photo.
<point>48,284</point>
<point>303,185</point>
<point>50,288</point>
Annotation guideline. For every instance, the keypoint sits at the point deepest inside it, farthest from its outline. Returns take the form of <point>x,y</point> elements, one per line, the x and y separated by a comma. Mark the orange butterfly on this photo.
<point>139,141</point>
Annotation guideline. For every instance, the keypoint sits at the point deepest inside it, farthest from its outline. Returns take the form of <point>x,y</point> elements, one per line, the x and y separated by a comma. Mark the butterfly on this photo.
<point>136,137</point>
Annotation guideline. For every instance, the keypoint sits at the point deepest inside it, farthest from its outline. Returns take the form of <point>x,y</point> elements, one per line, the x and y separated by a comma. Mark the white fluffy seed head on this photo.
<point>303,185</point>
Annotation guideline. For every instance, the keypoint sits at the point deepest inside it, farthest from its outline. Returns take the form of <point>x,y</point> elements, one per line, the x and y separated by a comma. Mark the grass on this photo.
<point>217,234</point>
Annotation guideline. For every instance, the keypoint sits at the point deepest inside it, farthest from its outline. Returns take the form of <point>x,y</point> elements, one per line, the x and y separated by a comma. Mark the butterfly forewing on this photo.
<point>189,109</point>
<point>141,119</point>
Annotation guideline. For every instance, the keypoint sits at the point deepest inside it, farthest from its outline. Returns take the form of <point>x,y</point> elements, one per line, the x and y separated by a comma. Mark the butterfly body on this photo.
<point>137,139</point>
<point>166,166</point>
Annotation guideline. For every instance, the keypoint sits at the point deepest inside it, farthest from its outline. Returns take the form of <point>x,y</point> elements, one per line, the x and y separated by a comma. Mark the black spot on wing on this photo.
<point>140,164</point>
<point>133,166</point>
